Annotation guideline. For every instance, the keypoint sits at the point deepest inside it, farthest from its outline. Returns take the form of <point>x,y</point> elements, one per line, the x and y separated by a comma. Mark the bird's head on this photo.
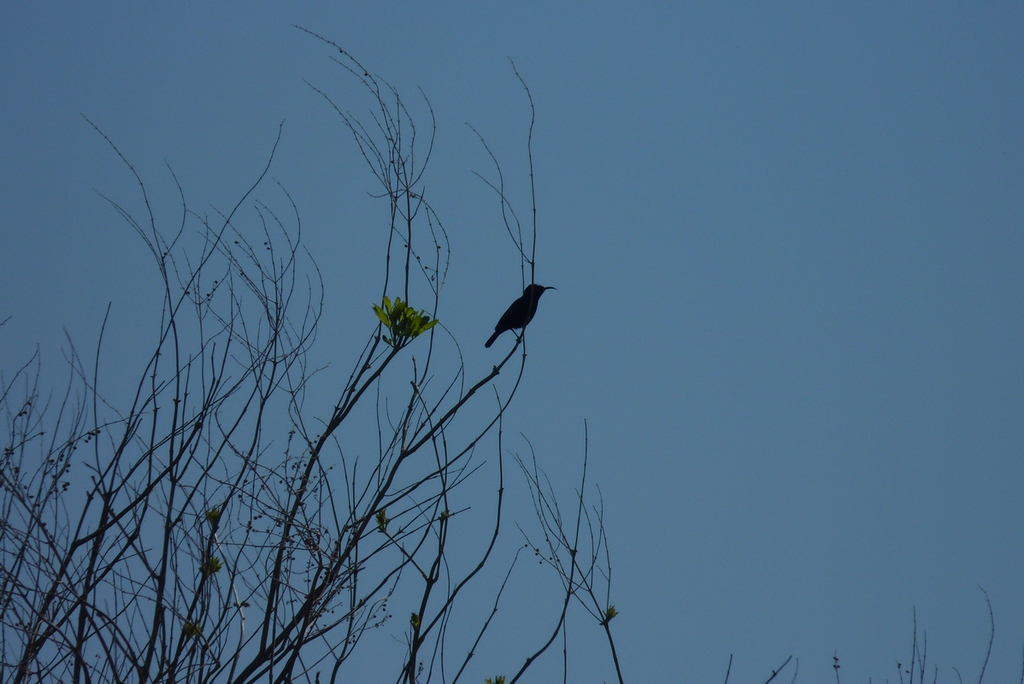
<point>534,291</point>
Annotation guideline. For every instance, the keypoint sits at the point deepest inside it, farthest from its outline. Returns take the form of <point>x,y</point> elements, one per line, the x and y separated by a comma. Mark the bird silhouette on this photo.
<point>520,312</point>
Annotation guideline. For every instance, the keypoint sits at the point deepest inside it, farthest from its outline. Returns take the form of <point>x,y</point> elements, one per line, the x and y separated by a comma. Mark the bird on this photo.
<point>520,312</point>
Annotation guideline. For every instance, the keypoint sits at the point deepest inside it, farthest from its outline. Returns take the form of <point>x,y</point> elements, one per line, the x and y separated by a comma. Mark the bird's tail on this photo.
<point>490,340</point>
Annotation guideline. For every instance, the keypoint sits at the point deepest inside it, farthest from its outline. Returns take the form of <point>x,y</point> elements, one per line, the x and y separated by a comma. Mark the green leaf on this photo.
<point>213,515</point>
<point>212,565</point>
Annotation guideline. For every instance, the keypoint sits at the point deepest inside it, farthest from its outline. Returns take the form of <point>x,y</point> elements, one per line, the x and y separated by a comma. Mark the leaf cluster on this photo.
<point>404,322</point>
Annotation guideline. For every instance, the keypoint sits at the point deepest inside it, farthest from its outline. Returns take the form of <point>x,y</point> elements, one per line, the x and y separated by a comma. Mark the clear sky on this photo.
<point>789,245</point>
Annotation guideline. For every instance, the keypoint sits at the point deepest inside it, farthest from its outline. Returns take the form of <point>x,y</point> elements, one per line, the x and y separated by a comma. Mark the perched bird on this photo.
<point>520,312</point>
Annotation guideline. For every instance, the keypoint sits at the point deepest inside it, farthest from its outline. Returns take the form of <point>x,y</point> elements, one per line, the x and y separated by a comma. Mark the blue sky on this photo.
<point>789,245</point>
